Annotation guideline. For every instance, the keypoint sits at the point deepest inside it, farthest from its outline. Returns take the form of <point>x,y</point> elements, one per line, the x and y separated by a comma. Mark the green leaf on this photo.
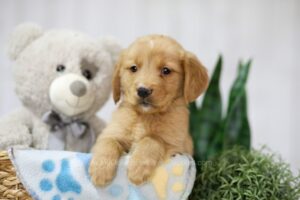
<point>236,124</point>
<point>236,127</point>
<point>205,122</point>
<point>239,83</point>
<point>216,143</point>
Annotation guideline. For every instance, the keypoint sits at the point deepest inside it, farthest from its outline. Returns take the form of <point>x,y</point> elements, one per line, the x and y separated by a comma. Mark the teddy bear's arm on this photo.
<point>97,124</point>
<point>16,129</point>
<point>40,133</point>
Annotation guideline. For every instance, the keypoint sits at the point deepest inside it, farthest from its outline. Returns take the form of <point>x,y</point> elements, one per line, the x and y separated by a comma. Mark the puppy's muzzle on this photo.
<point>144,92</point>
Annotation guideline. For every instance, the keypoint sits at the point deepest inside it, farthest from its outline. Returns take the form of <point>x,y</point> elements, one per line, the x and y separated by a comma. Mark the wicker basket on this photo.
<point>10,186</point>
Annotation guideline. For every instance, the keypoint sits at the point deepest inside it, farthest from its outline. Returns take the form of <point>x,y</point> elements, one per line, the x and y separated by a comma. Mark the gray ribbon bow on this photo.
<point>76,127</point>
<point>68,134</point>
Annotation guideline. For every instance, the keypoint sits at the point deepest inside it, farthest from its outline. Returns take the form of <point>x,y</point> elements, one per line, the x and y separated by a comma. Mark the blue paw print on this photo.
<point>64,181</point>
<point>115,190</point>
<point>135,194</point>
<point>85,159</point>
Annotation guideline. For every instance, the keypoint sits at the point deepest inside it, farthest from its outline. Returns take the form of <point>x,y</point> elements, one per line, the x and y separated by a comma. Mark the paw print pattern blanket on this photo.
<point>61,175</point>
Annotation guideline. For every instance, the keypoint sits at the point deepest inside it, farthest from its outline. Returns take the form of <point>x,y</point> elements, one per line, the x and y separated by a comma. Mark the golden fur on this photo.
<point>156,130</point>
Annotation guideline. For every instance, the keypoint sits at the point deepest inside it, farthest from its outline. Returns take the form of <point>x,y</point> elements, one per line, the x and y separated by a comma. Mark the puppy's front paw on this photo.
<point>102,169</point>
<point>140,170</point>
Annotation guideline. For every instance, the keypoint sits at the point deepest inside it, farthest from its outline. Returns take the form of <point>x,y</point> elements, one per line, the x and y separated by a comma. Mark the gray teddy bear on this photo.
<point>62,79</point>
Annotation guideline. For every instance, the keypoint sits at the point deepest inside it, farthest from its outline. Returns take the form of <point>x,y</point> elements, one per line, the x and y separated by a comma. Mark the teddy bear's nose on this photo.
<point>78,88</point>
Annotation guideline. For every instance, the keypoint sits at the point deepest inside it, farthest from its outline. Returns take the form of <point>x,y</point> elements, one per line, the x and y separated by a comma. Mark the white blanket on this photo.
<point>61,175</point>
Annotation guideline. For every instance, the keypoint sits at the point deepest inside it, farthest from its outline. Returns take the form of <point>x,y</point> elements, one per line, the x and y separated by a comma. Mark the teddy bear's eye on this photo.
<point>60,68</point>
<point>87,74</point>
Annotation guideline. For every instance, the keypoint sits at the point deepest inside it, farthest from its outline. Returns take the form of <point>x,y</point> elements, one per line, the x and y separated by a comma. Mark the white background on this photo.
<point>267,31</point>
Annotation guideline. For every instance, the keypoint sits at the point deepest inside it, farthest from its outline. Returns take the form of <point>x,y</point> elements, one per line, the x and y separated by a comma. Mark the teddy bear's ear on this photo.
<point>112,46</point>
<point>22,36</point>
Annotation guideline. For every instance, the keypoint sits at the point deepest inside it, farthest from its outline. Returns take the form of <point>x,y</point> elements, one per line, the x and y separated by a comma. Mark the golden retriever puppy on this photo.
<point>154,80</point>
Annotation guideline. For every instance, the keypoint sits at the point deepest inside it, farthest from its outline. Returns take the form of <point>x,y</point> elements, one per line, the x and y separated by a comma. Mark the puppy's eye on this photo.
<point>133,68</point>
<point>60,68</point>
<point>165,71</point>
<point>87,74</point>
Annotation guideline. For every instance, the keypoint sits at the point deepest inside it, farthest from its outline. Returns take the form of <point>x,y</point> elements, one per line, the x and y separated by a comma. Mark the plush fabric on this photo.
<point>62,71</point>
<point>61,175</point>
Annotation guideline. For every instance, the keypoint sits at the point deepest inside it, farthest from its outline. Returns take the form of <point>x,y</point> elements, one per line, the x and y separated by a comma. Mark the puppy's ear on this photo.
<point>116,82</point>
<point>195,77</point>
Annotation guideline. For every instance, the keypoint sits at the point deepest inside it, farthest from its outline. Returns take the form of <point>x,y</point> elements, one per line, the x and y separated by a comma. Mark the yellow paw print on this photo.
<point>177,170</point>
<point>161,177</point>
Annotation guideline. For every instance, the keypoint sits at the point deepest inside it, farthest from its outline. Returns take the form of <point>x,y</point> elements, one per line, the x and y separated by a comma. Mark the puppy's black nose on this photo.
<point>143,92</point>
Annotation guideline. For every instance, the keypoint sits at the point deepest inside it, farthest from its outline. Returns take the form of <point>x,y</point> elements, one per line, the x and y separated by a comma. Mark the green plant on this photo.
<point>246,175</point>
<point>212,133</point>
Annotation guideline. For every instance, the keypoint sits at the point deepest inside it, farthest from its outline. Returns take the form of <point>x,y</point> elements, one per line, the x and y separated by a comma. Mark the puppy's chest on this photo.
<point>142,128</point>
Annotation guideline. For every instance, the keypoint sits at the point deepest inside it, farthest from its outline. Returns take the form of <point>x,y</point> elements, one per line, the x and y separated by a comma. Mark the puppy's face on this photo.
<point>155,71</point>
